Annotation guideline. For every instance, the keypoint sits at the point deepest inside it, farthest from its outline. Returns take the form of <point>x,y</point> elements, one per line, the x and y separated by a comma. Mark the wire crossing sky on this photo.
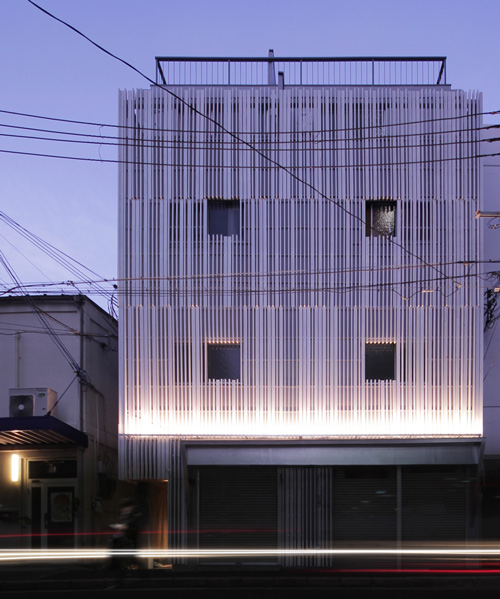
<point>50,71</point>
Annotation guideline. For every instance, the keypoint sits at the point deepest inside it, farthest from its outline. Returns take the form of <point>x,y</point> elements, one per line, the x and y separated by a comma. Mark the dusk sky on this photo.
<point>48,70</point>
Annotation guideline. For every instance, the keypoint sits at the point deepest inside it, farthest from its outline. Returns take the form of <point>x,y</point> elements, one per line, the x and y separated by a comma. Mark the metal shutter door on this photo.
<point>238,507</point>
<point>434,503</point>
<point>365,504</point>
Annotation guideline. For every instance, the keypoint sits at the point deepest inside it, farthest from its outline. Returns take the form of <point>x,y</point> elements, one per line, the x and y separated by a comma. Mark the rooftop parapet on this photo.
<point>421,70</point>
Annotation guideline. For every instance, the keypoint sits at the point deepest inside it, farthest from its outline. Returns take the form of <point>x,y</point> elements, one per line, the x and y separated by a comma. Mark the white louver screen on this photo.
<point>367,243</point>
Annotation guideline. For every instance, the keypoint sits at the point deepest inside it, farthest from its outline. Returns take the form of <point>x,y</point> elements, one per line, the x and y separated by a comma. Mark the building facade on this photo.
<point>299,332</point>
<point>58,425</point>
<point>489,222</point>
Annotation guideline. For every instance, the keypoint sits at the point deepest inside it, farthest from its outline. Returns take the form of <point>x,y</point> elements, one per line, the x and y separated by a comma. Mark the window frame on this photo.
<point>227,210</point>
<point>369,217</point>
<point>209,369</point>
<point>377,366</point>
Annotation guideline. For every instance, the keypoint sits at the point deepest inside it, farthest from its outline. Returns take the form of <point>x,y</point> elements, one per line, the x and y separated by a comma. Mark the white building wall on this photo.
<point>32,359</point>
<point>302,287</point>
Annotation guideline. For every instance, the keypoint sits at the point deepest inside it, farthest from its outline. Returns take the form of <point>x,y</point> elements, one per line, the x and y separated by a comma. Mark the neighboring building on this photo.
<point>59,387</point>
<point>301,347</point>
<point>490,225</point>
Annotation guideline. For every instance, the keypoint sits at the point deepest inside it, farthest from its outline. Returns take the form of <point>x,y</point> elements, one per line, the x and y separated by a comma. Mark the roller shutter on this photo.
<point>238,507</point>
<point>434,503</point>
<point>365,504</point>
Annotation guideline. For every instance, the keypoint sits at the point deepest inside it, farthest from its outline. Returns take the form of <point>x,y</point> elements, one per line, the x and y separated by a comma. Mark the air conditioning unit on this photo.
<point>31,401</point>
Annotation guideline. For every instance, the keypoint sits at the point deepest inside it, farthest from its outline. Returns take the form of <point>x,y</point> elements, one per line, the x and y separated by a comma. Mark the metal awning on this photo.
<point>35,431</point>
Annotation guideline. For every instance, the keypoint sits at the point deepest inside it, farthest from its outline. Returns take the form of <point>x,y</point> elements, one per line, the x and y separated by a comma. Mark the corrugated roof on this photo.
<point>34,431</point>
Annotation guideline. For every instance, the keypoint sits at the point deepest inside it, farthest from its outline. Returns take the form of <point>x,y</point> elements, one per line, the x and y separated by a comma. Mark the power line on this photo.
<point>47,247</point>
<point>293,132</point>
<point>13,328</point>
<point>238,291</point>
<point>217,276</point>
<point>287,169</point>
<point>160,144</point>
<point>25,257</point>
<point>42,316</point>
<point>63,259</point>
<point>203,132</point>
<point>263,275</point>
<point>62,394</point>
<point>181,129</point>
<point>221,127</point>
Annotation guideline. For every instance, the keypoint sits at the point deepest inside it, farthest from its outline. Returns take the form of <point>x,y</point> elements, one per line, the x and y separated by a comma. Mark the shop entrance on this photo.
<point>53,503</point>
<point>52,514</point>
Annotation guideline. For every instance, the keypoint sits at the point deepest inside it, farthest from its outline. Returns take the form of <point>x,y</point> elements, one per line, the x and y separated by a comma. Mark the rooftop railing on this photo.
<point>301,71</point>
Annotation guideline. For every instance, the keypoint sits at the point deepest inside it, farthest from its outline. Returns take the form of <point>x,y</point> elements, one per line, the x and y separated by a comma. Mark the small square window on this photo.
<point>223,362</point>
<point>380,218</point>
<point>223,217</point>
<point>380,361</point>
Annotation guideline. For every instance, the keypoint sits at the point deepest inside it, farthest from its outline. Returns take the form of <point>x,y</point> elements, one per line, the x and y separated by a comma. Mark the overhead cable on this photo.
<point>294,132</point>
<point>208,118</point>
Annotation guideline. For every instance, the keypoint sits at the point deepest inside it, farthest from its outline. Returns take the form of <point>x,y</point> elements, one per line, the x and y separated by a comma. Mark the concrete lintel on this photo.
<point>206,453</point>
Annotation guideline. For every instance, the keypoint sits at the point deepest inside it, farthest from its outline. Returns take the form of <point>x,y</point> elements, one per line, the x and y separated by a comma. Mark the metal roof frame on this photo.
<point>33,432</point>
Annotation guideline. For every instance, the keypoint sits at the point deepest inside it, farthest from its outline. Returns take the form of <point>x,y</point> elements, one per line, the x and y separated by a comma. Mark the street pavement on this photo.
<point>74,581</point>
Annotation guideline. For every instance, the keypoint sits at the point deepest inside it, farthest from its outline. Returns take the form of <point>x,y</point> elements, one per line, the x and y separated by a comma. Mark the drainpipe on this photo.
<point>83,520</point>
<point>81,362</point>
<point>18,360</point>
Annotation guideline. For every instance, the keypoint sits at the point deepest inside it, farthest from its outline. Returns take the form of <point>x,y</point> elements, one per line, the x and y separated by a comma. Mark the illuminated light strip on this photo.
<point>41,554</point>
<point>15,464</point>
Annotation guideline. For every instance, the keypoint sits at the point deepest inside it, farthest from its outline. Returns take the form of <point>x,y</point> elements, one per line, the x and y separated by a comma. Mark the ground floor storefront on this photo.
<point>315,495</point>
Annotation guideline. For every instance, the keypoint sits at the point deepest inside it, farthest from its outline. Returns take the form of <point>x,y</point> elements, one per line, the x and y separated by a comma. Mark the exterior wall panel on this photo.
<point>303,286</point>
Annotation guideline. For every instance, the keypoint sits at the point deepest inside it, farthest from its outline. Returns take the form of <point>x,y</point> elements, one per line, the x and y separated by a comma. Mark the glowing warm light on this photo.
<point>15,467</point>
<point>320,424</point>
